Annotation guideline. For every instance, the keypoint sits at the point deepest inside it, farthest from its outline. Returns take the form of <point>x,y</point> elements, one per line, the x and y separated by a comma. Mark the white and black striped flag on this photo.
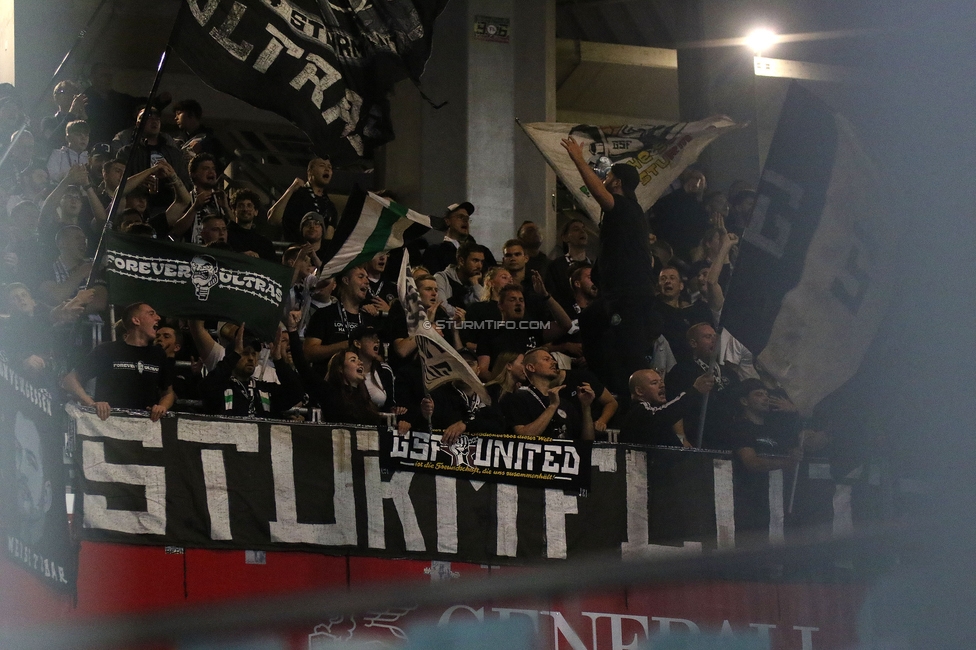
<point>812,280</point>
<point>370,224</point>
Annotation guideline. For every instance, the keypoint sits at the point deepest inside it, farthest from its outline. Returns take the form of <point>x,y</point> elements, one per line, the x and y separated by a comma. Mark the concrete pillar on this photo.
<point>491,125</point>
<point>714,80</point>
<point>535,101</point>
<point>472,149</point>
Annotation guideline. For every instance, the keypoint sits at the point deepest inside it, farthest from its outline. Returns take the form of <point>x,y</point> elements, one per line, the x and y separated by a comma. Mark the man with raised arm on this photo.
<point>620,325</point>
<point>303,197</point>
<point>129,374</point>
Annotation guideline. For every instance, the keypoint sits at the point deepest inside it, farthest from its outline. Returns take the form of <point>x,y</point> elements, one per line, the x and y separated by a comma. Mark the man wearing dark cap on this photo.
<point>620,326</point>
<point>312,229</point>
<point>457,222</point>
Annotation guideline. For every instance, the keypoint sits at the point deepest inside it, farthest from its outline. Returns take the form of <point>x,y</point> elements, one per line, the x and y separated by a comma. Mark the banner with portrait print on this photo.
<point>658,150</point>
<point>33,519</point>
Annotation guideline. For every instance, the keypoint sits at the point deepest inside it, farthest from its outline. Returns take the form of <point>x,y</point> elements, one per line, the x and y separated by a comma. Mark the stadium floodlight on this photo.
<point>761,39</point>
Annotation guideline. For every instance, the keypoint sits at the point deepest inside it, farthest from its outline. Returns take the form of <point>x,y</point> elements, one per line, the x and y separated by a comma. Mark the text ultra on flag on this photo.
<point>324,66</point>
<point>659,150</point>
<point>812,280</point>
<point>189,281</point>
<point>369,225</point>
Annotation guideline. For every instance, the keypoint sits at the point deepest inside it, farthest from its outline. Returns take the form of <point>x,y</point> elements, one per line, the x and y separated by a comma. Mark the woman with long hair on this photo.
<point>496,278</point>
<point>487,309</point>
<point>507,374</point>
<point>345,397</point>
<point>379,378</point>
<point>342,394</point>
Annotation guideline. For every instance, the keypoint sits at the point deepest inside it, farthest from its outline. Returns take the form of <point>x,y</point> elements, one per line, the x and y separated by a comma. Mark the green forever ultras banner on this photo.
<point>189,281</point>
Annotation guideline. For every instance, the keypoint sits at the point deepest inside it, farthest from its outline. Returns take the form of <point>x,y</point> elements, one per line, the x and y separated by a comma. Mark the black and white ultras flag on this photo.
<point>325,66</point>
<point>812,280</point>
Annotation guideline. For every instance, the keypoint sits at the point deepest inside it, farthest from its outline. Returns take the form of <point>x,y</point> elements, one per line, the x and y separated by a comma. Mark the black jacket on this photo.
<point>223,395</point>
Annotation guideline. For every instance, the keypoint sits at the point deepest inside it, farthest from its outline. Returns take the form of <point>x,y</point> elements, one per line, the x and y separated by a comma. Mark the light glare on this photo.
<point>760,40</point>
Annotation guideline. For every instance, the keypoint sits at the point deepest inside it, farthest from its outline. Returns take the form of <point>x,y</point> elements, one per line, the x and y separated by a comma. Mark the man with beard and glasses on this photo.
<point>131,373</point>
<point>557,276</point>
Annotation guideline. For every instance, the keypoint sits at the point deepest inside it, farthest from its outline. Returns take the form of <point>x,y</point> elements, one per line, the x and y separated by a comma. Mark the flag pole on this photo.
<point>712,366</point>
<point>57,72</point>
<point>796,475</point>
<point>136,135</point>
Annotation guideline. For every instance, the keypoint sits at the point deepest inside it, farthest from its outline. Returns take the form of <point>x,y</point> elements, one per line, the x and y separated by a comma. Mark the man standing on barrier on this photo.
<point>620,326</point>
<point>129,374</point>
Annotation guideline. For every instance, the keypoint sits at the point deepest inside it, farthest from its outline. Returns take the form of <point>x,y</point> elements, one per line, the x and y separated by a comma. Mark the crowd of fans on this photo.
<point>567,345</point>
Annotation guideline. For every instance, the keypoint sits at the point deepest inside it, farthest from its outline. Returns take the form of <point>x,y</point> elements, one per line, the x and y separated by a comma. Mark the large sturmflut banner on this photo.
<point>324,66</point>
<point>237,484</point>
<point>189,281</point>
<point>659,150</point>
<point>32,477</point>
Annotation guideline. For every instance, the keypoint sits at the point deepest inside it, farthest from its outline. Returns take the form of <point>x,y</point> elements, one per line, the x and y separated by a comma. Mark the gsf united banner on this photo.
<point>660,151</point>
<point>188,281</point>
<point>325,66</point>
<point>521,460</point>
<point>35,524</point>
<point>187,481</point>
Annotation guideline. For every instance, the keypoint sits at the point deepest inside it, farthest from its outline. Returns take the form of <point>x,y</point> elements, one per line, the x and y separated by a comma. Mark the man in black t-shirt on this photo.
<point>619,327</point>
<point>722,405</point>
<point>538,410</point>
<point>382,292</point>
<point>303,197</point>
<point>130,374</point>
<point>520,327</point>
<point>677,314</point>
<point>208,199</point>
<point>242,235</point>
<point>754,437</point>
<point>330,329</point>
